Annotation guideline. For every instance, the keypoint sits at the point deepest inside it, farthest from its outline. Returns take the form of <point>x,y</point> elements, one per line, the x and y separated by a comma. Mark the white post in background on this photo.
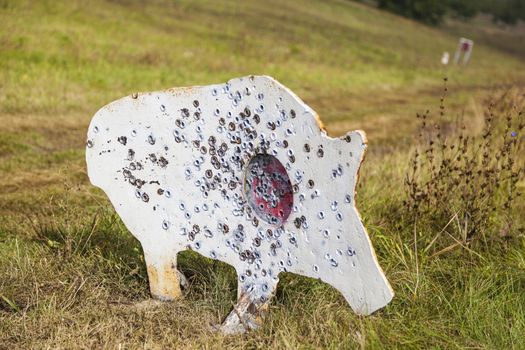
<point>445,58</point>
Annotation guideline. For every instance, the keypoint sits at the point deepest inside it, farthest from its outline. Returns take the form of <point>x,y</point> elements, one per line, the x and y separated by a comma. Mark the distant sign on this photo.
<point>243,173</point>
<point>463,51</point>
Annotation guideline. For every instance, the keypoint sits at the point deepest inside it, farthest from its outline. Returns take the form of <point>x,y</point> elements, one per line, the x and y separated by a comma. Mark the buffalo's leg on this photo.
<point>164,278</point>
<point>251,309</point>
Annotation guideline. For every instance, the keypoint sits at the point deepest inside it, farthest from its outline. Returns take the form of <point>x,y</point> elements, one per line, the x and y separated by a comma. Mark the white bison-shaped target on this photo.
<point>243,173</point>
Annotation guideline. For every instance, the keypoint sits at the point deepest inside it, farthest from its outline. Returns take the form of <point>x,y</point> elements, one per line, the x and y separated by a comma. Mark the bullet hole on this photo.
<point>151,139</point>
<point>162,162</point>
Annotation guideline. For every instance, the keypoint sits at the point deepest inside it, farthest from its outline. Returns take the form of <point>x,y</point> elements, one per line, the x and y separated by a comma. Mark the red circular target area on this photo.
<point>268,189</point>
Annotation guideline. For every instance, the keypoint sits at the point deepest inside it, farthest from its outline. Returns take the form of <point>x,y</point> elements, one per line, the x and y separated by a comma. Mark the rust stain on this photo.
<point>180,91</point>
<point>319,122</point>
<point>164,281</point>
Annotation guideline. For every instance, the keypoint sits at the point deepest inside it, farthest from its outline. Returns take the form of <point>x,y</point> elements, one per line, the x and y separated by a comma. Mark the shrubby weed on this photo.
<point>466,183</point>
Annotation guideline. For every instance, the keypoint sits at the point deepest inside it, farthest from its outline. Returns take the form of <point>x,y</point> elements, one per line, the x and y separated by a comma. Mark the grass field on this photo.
<point>72,276</point>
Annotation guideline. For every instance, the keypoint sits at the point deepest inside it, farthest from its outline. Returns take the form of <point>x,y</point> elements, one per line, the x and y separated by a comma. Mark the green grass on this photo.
<point>71,276</point>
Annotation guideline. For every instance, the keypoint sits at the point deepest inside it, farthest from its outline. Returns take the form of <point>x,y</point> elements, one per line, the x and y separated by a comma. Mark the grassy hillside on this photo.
<point>72,57</point>
<point>71,276</point>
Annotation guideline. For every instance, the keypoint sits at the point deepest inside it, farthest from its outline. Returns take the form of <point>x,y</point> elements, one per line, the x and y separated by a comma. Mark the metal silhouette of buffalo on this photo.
<point>241,172</point>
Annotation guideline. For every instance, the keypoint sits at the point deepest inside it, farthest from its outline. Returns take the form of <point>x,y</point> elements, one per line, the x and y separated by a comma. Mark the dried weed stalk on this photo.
<point>471,179</point>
